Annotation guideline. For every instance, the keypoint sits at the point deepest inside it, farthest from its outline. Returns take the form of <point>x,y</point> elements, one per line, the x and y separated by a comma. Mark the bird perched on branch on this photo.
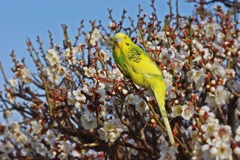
<point>135,63</point>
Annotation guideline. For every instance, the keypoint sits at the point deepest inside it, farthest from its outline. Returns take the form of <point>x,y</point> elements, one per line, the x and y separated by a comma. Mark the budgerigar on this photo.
<point>136,64</point>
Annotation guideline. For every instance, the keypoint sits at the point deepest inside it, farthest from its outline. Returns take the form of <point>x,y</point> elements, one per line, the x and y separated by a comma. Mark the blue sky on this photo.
<point>28,19</point>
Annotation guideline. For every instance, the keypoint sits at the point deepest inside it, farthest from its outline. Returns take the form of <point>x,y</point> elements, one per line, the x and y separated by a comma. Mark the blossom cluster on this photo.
<point>79,105</point>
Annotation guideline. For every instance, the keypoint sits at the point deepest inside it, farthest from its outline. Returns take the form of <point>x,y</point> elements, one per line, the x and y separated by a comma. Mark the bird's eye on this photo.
<point>127,44</point>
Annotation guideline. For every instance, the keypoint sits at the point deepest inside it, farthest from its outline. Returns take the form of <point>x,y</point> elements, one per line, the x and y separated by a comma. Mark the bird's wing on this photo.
<point>138,61</point>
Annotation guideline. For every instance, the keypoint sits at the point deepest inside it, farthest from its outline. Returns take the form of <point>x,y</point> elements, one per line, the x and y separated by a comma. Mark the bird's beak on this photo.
<point>118,42</point>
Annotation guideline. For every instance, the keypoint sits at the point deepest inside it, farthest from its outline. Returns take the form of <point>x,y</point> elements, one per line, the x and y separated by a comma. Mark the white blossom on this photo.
<point>93,37</point>
<point>187,112</point>
<point>36,127</point>
<point>223,133</point>
<point>237,151</point>
<point>177,110</point>
<point>13,82</point>
<point>89,72</point>
<point>141,106</point>
<point>10,97</point>
<point>25,75</point>
<point>70,55</point>
<point>220,97</point>
<point>132,150</point>
<point>237,137</point>
<point>210,127</point>
<point>41,149</point>
<point>132,99</point>
<point>110,132</point>
<point>217,69</point>
<point>211,29</point>
<point>49,137</point>
<point>7,147</point>
<point>79,96</point>
<point>7,113</point>
<point>53,57</point>
<point>88,122</point>
<point>224,151</point>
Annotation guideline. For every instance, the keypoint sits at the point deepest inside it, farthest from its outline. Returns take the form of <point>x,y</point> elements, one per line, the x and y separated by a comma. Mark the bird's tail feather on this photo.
<point>159,90</point>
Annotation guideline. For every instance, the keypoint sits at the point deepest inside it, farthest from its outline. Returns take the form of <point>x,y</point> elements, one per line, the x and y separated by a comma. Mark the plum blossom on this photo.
<point>89,72</point>
<point>166,151</point>
<point>103,134</point>
<point>201,52</point>
<point>220,37</point>
<point>112,25</point>
<point>205,110</point>
<point>187,112</point>
<point>162,36</point>
<point>13,82</point>
<point>237,151</point>
<point>54,74</point>
<point>168,79</point>
<point>5,157</point>
<point>54,78</point>
<point>106,41</point>
<point>79,96</point>
<point>36,127</point>
<point>93,37</point>
<point>7,147</point>
<point>7,113</point>
<point>65,146</point>
<point>49,137</point>
<point>141,106</point>
<point>196,76</point>
<point>24,74</point>
<point>217,70</point>
<point>10,97</point>
<point>234,85</point>
<point>237,137</point>
<point>220,97</point>
<point>53,57</point>
<point>132,99</point>
<point>115,74</point>
<point>211,28</point>
<point>102,94</point>
<point>223,133</point>
<point>21,138</point>
<point>210,127</point>
<point>14,127</point>
<point>63,156</point>
<point>92,154</point>
<point>132,150</point>
<point>70,56</point>
<point>168,54</point>
<point>41,149</point>
<point>223,150</point>
<point>109,132</point>
<point>177,110</point>
<point>88,121</point>
<point>153,44</point>
<point>105,55</point>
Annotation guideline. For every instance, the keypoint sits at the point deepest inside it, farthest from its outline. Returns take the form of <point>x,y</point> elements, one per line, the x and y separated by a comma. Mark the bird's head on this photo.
<point>121,40</point>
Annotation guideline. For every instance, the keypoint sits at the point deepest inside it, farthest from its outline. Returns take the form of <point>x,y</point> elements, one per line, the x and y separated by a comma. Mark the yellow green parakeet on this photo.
<point>136,64</point>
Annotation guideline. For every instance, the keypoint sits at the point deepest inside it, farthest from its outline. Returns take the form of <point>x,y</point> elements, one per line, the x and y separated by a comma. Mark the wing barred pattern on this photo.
<point>134,55</point>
